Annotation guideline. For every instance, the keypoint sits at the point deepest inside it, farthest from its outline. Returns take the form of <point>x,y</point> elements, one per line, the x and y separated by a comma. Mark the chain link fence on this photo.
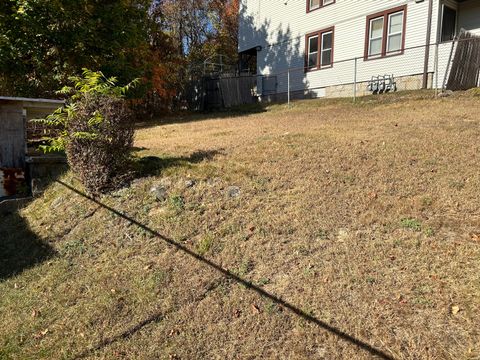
<point>414,68</point>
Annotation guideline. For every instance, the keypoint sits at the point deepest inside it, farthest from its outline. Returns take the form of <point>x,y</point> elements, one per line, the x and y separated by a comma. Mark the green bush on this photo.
<point>95,129</point>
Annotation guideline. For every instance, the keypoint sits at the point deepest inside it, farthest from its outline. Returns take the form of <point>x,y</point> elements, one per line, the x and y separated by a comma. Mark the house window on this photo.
<point>327,49</point>
<point>319,49</point>
<point>313,52</point>
<point>449,23</point>
<point>317,4</point>
<point>385,33</point>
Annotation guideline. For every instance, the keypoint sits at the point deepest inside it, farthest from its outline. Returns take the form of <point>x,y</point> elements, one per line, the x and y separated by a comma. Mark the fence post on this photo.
<point>436,69</point>
<point>288,86</point>
<point>355,82</point>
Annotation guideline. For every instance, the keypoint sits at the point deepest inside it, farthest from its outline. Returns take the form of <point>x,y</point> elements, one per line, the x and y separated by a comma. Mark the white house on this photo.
<point>329,45</point>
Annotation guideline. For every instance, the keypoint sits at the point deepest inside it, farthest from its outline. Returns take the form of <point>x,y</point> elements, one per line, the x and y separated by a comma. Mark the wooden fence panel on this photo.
<point>465,70</point>
<point>237,90</point>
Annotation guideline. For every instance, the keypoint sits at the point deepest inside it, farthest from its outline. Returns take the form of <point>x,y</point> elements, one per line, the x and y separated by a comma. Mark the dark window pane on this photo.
<point>449,23</point>
<point>313,44</point>
<point>327,40</point>
<point>326,57</point>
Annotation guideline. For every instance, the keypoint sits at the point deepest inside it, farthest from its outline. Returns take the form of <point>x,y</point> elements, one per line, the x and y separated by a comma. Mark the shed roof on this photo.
<point>48,101</point>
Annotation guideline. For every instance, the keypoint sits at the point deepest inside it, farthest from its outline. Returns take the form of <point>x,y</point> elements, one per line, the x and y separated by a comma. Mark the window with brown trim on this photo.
<point>319,49</point>
<point>385,33</point>
<point>317,4</point>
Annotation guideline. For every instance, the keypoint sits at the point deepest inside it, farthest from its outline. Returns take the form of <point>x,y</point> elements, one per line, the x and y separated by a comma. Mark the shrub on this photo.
<point>101,162</point>
<point>95,129</point>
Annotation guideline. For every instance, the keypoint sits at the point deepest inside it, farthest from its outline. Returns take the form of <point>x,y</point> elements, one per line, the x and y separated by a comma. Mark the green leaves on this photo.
<point>95,82</point>
<point>91,83</point>
<point>43,43</point>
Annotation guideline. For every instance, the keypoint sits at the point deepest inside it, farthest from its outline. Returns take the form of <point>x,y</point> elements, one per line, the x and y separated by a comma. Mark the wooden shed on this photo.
<point>14,114</point>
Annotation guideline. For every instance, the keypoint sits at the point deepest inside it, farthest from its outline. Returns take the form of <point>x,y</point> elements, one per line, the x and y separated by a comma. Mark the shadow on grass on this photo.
<point>228,274</point>
<point>20,248</point>
<point>186,117</point>
<point>153,165</point>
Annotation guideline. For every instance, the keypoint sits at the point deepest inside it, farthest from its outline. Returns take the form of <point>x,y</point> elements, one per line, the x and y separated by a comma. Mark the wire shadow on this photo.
<point>158,316</point>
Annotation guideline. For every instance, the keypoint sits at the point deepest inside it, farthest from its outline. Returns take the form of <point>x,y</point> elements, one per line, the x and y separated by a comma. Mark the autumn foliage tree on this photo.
<point>44,43</point>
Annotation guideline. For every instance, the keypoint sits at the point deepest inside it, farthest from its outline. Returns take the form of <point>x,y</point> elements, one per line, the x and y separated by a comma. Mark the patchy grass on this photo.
<point>362,218</point>
<point>411,224</point>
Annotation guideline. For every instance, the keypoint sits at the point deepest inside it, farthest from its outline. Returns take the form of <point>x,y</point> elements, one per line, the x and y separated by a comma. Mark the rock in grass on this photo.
<point>190,183</point>
<point>233,191</point>
<point>446,93</point>
<point>160,193</point>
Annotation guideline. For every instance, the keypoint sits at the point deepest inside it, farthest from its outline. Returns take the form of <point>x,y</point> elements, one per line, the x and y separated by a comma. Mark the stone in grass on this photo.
<point>446,93</point>
<point>190,183</point>
<point>160,193</point>
<point>233,191</point>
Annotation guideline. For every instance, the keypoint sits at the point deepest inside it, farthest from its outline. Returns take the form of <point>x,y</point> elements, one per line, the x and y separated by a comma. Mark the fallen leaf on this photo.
<point>255,309</point>
<point>41,334</point>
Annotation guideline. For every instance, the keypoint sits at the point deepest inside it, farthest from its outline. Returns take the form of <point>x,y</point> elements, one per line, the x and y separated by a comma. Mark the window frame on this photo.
<point>322,5</point>
<point>319,34</point>
<point>444,6</point>
<point>385,15</point>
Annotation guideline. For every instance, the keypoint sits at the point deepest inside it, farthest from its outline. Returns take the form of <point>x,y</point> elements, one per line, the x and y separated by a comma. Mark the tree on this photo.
<point>200,28</point>
<point>43,43</point>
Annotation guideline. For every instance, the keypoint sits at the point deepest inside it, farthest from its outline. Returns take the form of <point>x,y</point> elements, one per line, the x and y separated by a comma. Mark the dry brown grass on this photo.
<point>365,217</point>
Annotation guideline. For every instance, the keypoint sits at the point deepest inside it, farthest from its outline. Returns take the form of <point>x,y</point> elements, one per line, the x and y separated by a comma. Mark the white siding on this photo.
<point>249,20</point>
<point>281,28</point>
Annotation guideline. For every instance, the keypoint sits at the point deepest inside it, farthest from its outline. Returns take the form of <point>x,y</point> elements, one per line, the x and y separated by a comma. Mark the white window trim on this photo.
<point>393,34</point>
<point>314,52</point>
<point>321,4</point>
<point>323,49</point>
<point>315,7</point>
<point>377,38</point>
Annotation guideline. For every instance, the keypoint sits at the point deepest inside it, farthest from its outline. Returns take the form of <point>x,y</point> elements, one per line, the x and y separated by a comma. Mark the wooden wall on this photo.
<point>12,135</point>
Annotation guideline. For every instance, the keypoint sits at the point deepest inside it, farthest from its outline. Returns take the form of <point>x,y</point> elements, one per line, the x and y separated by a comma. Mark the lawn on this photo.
<point>324,230</point>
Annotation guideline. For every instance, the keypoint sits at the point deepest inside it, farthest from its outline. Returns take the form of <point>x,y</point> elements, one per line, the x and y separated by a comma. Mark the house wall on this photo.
<point>280,30</point>
<point>469,16</point>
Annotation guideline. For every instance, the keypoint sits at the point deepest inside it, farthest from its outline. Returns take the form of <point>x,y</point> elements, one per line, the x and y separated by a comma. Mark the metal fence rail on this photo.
<point>412,69</point>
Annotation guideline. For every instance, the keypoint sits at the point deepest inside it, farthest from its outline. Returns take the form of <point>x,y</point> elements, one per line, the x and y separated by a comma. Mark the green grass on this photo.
<point>411,224</point>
